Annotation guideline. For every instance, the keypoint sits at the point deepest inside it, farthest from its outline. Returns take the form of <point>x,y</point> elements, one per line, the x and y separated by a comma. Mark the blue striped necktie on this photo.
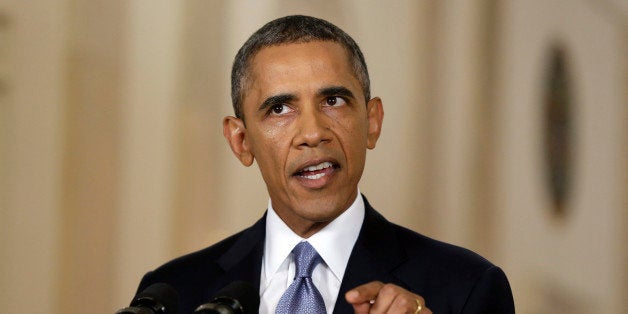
<point>302,296</point>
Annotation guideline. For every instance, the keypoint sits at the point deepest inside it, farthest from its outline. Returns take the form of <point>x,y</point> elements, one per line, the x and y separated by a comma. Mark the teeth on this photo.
<point>314,177</point>
<point>320,166</point>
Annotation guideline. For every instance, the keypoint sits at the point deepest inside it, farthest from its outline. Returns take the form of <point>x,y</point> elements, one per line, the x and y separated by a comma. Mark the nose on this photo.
<point>312,129</point>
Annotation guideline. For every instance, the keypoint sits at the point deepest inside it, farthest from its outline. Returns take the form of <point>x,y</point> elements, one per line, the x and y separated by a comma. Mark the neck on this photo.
<point>308,231</point>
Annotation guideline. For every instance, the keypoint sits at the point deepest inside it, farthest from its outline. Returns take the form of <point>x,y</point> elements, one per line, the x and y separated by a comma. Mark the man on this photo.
<point>303,112</point>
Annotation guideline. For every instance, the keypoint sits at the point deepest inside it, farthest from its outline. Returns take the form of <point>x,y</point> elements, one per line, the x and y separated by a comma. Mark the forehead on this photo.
<point>314,50</point>
<point>300,65</point>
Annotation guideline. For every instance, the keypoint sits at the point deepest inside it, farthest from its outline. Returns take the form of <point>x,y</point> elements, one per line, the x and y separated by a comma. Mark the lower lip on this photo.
<point>320,179</point>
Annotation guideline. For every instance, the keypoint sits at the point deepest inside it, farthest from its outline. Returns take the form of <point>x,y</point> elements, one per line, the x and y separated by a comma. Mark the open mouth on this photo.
<point>317,171</point>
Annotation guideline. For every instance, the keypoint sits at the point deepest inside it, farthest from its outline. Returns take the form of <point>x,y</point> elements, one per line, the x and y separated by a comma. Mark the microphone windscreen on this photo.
<point>160,296</point>
<point>244,292</point>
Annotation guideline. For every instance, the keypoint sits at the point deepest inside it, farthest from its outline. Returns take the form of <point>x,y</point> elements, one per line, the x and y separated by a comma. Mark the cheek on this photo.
<point>274,133</point>
<point>352,137</point>
<point>350,129</point>
<point>270,149</point>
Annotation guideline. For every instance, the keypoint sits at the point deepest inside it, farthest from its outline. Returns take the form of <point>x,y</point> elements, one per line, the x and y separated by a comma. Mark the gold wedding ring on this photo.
<point>419,307</point>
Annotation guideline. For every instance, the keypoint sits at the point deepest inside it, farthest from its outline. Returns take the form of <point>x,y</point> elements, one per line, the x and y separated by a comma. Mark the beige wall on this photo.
<point>33,76</point>
<point>577,262</point>
<point>112,159</point>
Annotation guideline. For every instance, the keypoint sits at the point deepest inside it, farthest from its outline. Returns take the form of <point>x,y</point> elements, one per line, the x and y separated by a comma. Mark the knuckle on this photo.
<point>388,289</point>
<point>404,302</point>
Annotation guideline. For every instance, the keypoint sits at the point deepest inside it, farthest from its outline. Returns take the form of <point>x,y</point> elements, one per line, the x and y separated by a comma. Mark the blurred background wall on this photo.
<point>505,132</point>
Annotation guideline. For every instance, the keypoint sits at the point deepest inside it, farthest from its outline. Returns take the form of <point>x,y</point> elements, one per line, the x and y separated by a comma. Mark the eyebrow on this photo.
<point>286,98</point>
<point>336,91</point>
<point>276,100</point>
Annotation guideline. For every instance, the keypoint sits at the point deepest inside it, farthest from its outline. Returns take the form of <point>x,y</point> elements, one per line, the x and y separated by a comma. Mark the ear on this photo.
<point>235,132</point>
<point>375,117</point>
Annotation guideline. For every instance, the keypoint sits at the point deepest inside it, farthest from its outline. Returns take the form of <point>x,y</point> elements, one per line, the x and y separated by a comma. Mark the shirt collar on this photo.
<point>333,243</point>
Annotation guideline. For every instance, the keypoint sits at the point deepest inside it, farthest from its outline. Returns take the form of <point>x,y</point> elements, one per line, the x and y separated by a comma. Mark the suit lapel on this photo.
<point>374,257</point>
<point>243,261</point>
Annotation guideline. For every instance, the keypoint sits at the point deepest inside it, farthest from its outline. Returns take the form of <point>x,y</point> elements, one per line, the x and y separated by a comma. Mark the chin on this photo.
<point>321,213</point>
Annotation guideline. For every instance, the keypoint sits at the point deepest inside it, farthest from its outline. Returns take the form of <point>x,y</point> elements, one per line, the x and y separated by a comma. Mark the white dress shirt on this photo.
<point>333,243</point>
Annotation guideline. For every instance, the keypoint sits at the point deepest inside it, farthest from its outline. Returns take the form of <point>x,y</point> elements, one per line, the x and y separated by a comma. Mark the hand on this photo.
<point>388,298</point>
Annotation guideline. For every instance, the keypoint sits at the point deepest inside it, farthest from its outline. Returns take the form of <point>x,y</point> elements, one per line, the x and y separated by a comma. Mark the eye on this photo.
<point>334,101</point>
<point>279,109</point>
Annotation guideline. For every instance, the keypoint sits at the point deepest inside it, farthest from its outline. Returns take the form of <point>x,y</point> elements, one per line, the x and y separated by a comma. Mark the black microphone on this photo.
<point>158,298</point>
<point>238,297</point>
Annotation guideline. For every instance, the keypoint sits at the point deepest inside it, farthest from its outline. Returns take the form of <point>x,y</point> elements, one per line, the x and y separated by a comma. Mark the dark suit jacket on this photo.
<point>450,278</point>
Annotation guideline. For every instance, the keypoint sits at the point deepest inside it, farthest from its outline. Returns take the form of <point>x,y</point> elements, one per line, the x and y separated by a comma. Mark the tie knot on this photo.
<point>305,258</point>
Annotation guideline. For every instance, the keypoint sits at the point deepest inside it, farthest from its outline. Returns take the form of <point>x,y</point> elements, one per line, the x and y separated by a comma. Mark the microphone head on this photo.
<point>160,297</point>
<point>239,297</point>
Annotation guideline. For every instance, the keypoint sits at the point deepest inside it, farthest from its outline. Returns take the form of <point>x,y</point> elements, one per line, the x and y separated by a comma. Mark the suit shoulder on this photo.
<point>441,255</point>
<point>416,252</point>
<point>192,266</point>
<point>198,275</point>
<point>451,277</point>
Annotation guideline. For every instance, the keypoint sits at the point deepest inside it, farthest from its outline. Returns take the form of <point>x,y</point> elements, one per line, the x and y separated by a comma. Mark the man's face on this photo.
<point>308,128</point>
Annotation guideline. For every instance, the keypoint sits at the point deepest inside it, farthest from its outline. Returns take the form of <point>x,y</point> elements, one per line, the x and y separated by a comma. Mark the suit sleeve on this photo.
<point>145,282</point>
<point>490,294</point>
